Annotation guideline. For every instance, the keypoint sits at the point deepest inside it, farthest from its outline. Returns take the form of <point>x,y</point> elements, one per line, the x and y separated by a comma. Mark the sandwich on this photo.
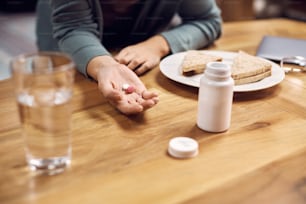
<point>247,68</point>
<point>194,62</point>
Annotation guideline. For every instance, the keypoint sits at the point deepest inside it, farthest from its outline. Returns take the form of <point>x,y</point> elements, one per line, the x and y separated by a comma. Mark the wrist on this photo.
<point>98,62</point>
<point>161,45</point>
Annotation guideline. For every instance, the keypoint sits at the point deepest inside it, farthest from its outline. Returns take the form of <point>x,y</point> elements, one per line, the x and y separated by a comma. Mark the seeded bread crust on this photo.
<point>247,68</point>
<point>194,62</point>
<point>250,79</point>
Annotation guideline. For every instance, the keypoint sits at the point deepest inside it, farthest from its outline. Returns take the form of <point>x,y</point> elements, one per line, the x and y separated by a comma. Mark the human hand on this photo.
<point>143,56</point>
<point>111,76</point>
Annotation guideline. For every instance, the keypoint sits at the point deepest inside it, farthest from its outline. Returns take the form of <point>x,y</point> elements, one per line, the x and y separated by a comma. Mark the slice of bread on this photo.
<point>247,68</point>
<point>250,79</point>
<point>194,62</point>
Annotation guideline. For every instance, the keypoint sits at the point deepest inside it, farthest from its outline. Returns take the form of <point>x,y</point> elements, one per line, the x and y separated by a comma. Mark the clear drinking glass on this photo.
<point>43,83</point>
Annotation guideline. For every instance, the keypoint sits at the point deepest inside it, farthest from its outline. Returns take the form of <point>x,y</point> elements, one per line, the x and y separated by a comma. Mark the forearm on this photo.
<point>82,49</point>
<point>201,25</point>
<point>189,37</point>
<point>76,32</point>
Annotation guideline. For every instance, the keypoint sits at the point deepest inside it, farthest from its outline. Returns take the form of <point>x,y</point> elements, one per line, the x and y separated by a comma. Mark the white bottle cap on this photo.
<point>218,70</point>
<point>183,147</point>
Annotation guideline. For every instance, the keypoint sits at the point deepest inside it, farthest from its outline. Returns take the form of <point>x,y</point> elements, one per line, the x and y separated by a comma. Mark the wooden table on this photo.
<point>119,159</point>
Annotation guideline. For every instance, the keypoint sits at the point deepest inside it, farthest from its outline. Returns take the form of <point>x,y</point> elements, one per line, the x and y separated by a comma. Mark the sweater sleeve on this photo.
<point>76,28</point>
<point>201,25</point>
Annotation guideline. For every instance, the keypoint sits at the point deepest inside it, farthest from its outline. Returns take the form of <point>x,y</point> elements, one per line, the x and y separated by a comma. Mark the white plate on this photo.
<point>171,67</point>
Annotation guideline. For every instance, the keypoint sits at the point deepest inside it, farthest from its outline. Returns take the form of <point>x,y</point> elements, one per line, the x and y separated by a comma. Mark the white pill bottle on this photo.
<point>215,98</point>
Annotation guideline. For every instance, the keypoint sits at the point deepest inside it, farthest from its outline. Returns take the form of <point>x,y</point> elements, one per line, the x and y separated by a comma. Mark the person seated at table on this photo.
<point>143,32</point>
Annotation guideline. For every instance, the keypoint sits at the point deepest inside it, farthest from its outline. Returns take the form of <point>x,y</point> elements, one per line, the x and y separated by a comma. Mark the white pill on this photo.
<point>125,87</point>
<point>183,147</point>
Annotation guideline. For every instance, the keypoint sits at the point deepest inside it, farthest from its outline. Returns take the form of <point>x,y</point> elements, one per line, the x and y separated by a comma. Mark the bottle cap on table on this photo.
<point>183,147</point>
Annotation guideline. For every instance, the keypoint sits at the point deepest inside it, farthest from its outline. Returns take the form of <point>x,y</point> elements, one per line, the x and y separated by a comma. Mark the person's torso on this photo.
<point>131,21</point>
<point>116,11</point>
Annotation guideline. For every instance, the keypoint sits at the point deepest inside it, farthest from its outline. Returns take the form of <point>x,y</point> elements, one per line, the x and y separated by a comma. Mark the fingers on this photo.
<point>130,108</point>
<point>149,95</point>
<point>124,90</point>
<point>124,58</point>
<point>135,63</point>
<point>127,109</point>
<point>144,68</point>
<point>135,101</point>
<point>131,61</point>
<point>150,99</point>
<point>124,102</point>
<point>139,64</point>
<point>148,104</point>
<point>132,103</point>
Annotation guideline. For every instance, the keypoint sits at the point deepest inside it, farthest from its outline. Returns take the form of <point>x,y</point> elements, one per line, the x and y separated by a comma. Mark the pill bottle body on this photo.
<point>215,98</point>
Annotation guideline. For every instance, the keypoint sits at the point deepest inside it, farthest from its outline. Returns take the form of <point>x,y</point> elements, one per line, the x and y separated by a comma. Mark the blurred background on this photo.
<point>17,21</point>
<point>257,9</point>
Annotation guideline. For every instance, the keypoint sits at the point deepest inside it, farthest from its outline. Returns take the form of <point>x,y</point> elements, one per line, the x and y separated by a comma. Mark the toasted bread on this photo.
<point>250,79</point>
<point>247,68</point>
<point>194,62</point>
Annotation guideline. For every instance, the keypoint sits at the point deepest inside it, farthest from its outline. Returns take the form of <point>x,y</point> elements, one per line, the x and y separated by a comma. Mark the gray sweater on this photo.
<point>76,26</point>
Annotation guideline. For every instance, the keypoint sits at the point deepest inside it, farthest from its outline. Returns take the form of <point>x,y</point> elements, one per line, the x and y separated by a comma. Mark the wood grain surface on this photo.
<point>120,159</point>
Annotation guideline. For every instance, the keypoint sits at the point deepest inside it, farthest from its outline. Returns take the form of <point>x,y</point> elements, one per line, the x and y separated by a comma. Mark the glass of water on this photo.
<point>43,84</point>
